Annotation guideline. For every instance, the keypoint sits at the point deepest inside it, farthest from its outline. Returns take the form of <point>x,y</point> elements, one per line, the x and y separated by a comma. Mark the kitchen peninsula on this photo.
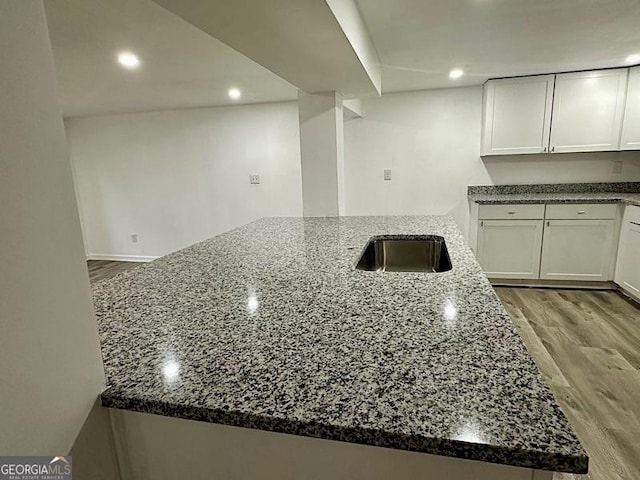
<point>271,327</point>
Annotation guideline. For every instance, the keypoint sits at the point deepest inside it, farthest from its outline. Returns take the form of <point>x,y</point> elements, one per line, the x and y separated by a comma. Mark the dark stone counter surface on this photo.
<point>269,326</point>
<point>627,192</point>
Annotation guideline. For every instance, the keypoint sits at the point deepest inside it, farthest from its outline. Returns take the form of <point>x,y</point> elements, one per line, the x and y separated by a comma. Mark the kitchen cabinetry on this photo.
<point>588,108</point>
<point>578,242</point>
<point>577,250</point>
<point>509,240</point>
<point>517,115</point>
<point>631,123</point>
<point>510,248</point>
<point>557,242</point>
<point>568,112</point>
<point>628,265</point>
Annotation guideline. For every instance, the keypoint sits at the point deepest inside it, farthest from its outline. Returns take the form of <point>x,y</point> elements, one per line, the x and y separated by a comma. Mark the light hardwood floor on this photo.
<point>101,269</point>
<point>587,346</point>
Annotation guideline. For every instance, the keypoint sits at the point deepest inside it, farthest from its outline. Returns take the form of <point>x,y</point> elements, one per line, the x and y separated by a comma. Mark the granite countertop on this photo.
<point>522,198</point>
<point>269,326</point>
<point>613,192</point>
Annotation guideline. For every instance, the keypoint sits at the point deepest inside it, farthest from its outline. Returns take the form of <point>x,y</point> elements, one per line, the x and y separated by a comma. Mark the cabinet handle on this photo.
<point>548,223</point>
<point>553,149</point>
<point>544,149</point>
<point>581,212</point>
<point>482,224</point>
<point>511,213</point>
<point>635,223</point>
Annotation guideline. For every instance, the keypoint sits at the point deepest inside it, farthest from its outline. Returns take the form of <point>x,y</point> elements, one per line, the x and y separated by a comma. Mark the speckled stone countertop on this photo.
<point>628,193</point>
<point>269,326</point>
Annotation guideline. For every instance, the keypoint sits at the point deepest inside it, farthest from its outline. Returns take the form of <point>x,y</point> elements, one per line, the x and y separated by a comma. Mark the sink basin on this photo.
<point>405,253</point>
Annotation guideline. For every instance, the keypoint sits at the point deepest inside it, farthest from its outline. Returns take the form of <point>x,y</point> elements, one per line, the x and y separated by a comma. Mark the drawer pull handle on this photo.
<point>635,223</point>
<point>512,213</point>
<point>581,212</point>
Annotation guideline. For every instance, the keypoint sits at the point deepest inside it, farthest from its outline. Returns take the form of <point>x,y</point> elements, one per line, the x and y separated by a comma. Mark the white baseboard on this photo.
<point>632,295</point>
<point>120,258</point>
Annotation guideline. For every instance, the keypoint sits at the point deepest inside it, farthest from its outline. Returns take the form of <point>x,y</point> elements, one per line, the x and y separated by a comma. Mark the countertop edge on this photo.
<point>512,199</point>
<point>376,438</point>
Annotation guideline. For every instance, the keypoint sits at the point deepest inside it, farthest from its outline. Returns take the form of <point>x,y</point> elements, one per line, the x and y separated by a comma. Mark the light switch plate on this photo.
<point>254,179</point>
<point>387,174</point>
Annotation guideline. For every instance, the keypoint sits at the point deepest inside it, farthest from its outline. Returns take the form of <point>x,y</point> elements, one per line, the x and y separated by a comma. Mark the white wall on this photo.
<point>322,154</point>
<point>431,141</point>
<point>50,364</point>
<point>178,177</point>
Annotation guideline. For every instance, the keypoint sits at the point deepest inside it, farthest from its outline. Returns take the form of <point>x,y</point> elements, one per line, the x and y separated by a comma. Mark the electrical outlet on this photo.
<point>254,179</point>
<point>617,166</point>
<point>387,174</point>
<point>134,238</point>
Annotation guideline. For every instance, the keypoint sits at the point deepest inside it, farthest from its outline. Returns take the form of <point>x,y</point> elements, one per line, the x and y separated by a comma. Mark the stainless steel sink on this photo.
<point>405,253</point>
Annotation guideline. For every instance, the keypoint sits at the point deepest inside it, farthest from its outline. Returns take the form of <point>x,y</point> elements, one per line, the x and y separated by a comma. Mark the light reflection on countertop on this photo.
<point>469,431</point>
<point>252,302</point>
<point>170,371</point>
<point>449,311</point>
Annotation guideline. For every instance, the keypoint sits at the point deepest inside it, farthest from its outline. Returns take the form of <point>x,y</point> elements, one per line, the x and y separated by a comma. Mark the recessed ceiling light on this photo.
<point>456,73</point>
<point>633,58</point>
<point>128,60</point>
<point>234,93</point>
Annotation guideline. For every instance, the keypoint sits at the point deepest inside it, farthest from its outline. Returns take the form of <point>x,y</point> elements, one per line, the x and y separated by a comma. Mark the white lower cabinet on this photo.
<point>574,242</point>
<point>628,265</point>
<point>579,250</point>
<point>510,248</point>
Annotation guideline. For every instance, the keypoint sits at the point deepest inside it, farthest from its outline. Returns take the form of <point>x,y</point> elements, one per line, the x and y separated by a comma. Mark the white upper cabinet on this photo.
<point>517,115</point>
<point>587,111</point>
<point>631,123</point>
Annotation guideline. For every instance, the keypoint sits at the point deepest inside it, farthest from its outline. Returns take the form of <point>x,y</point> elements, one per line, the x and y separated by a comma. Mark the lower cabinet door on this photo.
<point>510,248</point>
<point>579,250</point>
<point>628,271</point>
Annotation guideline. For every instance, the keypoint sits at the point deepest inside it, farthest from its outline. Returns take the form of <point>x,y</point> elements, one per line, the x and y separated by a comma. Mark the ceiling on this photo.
<point>304,41</point>
<point>181,66</point>
<point>420,41</point>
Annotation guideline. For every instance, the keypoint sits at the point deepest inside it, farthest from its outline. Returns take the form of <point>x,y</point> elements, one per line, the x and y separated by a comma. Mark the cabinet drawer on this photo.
<point>511,212</point>
<point>575,211</point>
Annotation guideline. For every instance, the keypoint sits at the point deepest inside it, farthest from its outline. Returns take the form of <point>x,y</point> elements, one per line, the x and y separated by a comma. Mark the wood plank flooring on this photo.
<point>587,346</point>
<point>101,269</point>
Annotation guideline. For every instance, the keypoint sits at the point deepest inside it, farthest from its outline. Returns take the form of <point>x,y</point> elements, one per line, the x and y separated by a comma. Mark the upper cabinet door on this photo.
<point>587,111</point>
<point>517,115</point>
<point>631,123</point>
